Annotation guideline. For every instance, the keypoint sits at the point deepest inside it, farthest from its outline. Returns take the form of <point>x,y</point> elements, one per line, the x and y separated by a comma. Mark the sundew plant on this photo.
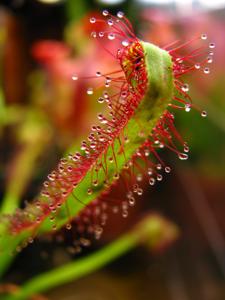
<point>140,97</point>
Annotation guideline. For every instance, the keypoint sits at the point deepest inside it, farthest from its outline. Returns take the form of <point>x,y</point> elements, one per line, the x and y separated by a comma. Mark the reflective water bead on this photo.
<point>151,181</point>
<point>185,88</point>
<point>150,171</point>
<point>93,34</point>
<point>124,213</point>
<point>187,107</point>
<point>101,34</point>
<point>110,22</point>
<point>197,66</point>
<point>182,156</point>
<point>111,36</point>
<point>212,45</point>
<point>158,166</point>
<point>167,169</point>
<point>204,36</point>
<point>92,20</point>
<point>98,74</point>
<point>159,177</point>
<point>105,12</point>
<point>75,77</point>
<point>139,191</point>
<point>206,70</point>
<point>131,201</point>
<point>89,191</point>
<point>139,177</point>
<point>101,100</point>
<point>204,114</point>
<point>209,60</point>
<point>120,14</point>
<point>125,43</point>
<point>90,91</point>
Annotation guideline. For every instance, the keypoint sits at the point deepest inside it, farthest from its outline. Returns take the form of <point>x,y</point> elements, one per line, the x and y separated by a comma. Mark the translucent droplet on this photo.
<point>159,177</point>
<point>125,43</point>
<point>89,191</point>
<point>185,88</point>
<point>110,22</point>
<point>98,74</point>
<point>120,14</point>
<point>212,45</point>
<point>167,169</point>
<point>183,156</point>
<point>197,66</point>
<point>211,53</point>
<point>111,36</point>
<point>206,70</point>
<point>186,149</point>
<point>90,91</point>
<point>105,12</point>
<point>101,34</point>
<point>209,60</point>
<point>124,213</point>
<point>204,36</point>
<point>131,201</point>
<point>139,177</point>
<point>101,100</point>
<point>204,114</point>
<point>139,191</point>
<point>74,77</point>
<point>92,20</point>
<point>151,181</point>
<point>158,166</point>
<point>150,171</point>
<point>187,107</point>
<point>93,34</point>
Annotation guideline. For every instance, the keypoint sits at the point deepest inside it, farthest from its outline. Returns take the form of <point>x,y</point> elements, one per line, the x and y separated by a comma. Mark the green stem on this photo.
<point>152,230</point>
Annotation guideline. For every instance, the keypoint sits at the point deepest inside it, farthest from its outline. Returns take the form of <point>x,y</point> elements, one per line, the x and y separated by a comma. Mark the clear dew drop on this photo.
<point>212,45</point>
<point>197,66</point>
<point>120,14</point>
<point>182,156</point>
<point>101,100</point>
<point>110,22</point>
<point>98,74</point>
<point>125,43</point>
<point>187,107</point>
<point>111,36</point>
<point>211,53</point>
<point>90,91</point>
<point>150,171</point>
<point>75,77</point>
<point>139,177</point>
<point>204,36</point>
<point>151,181</point>
<point>124,213</point>
<point>206,70</point>
<point>92,20</point>
<point>209,59</point>
<point>93,34</point>
<point>131,201</point>
<point>105,12</point>
<point>167,169</point>
<point>101,34</point>
<point>204,114</point>
<point>185,88</point>
<point>139,191</point>
<point>159,177</point>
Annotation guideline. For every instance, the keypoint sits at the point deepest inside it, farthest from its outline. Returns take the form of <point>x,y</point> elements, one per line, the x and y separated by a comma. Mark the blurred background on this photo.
<point>43,114</point>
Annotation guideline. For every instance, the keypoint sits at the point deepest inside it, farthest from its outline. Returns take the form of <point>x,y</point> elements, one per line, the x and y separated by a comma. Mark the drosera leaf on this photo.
<point>137,124</point>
